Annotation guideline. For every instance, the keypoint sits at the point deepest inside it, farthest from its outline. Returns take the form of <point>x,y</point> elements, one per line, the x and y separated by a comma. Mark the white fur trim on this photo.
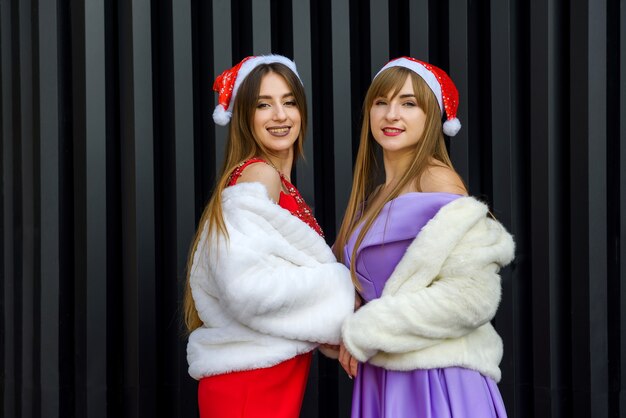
<point>420,70</point>
<point>252,63</point>
<point>221,116</point>
<point>451,127</point>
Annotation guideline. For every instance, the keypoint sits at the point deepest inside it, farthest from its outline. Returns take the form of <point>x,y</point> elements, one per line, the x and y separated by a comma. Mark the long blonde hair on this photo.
<point>241,145</point>
<point>366,171</point>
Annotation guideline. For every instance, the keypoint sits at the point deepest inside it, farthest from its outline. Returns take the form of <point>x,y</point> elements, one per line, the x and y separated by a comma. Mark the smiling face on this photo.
<point>397,121</point>
<point>277,121</point>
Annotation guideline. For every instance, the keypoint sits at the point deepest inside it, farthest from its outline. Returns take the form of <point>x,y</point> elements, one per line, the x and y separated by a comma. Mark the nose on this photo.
<point>279,113</point>
<point>392,111</point>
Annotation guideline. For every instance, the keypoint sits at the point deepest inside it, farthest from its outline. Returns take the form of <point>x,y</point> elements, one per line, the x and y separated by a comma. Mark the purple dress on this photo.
<point>451,392</point>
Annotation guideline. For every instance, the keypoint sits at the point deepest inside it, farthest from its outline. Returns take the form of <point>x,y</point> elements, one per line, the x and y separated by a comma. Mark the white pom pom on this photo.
<point>451,127</point>
<point>221,116</point>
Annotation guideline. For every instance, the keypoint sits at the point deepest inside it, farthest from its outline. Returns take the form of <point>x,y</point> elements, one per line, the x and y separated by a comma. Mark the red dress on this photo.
<point>272,392</point>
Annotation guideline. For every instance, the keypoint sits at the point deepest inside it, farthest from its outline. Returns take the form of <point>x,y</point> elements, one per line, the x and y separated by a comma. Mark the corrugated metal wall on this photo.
<point>109,153</point>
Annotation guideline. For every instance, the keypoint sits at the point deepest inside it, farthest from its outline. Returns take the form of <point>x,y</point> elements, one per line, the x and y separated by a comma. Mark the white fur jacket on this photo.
<point>273,290</point>
<point>435,308</point>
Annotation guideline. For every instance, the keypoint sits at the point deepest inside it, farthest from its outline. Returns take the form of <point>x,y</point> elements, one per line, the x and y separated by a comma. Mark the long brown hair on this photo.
<point>430,146</point>
<point>241,145</point>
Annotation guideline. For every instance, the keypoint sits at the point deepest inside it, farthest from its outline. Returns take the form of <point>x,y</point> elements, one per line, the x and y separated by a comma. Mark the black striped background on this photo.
<point>108,154</point>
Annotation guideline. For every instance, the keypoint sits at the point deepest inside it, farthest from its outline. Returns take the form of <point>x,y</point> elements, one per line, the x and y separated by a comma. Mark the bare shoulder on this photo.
<point>442,179</point>
<point>266,175</point>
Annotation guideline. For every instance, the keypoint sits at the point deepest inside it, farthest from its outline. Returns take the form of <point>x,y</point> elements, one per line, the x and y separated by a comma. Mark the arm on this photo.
<point>279,298</point>
<point>266,175</point>
<point>275,274</point>
<point>450,308</point>
<point>441,178</point>
<point>333,351</point>
<point>464,296</point>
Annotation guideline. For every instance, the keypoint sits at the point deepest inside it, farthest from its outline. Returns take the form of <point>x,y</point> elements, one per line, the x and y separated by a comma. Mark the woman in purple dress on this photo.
<point>424,257</point>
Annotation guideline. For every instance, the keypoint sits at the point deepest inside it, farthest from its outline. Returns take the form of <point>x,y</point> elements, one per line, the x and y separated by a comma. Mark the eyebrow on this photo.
<point>284,95</point>
<point>401,96</point>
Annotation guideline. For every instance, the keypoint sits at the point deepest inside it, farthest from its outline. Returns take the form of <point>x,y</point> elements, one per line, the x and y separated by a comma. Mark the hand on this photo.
<point>330,346</point>
<point>349,363</point>
<point>329,350</point>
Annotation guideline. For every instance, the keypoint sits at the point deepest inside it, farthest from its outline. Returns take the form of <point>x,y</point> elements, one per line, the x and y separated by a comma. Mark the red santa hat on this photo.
<point>227,83</point>
<point>440,83</point>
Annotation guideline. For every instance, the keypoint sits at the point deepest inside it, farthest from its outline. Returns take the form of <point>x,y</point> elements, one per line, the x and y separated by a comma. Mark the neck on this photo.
<point>396,164</point>
<point>282,162</point>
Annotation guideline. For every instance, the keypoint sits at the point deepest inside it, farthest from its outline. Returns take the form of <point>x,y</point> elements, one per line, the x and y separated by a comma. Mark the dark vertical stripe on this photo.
<point>79,201</point>
<point>521,162</point>
<point>399,28</point>
<point>301,28</point>
<point>144,206</point>
<point>165,205</point>
<point>379,35</point>
<point>302,56</point>
<point>261,27</point>
<point>310,403</point>
<point>35,159</point>
<point>613,151</point>
<point>588,144</point>
<point>95,210</point>
<point>5,383</point>
<point>222,60</point>
<point>360,63</point>
<point>419,24</point>
<point>242,34</point>
<point>458,71</point>
<point>2,310</point>
<point>323,169</point>
<point>597,202</point>
<point>580,127</point>
<point>322,100</point>
<point>138,188</point>
<point>503,182</point>
<point>10,384</point>
<point>546,170</point>
<point>16,207</point>
<point>282,28</point>
<point>49,195</point>
<point>342,111</point>
<point>479,141</point>
<point>185,209</point>
<point>26,259</point>
<point>66,215</point>
<point>115,320</point>
<point>131,403</point>
<point>620,175</point>
<point>204,101</point>
<point>439,33</point>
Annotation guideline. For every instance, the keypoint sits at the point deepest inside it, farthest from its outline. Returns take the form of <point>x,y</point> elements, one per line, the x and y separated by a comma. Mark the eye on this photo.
<point>262,105</point>
<point>409,104</point>
<point>380,102</point>
<point>291,103</point>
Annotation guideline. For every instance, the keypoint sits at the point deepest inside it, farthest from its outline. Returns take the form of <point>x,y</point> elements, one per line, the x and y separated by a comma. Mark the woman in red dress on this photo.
<point>264,289</point>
